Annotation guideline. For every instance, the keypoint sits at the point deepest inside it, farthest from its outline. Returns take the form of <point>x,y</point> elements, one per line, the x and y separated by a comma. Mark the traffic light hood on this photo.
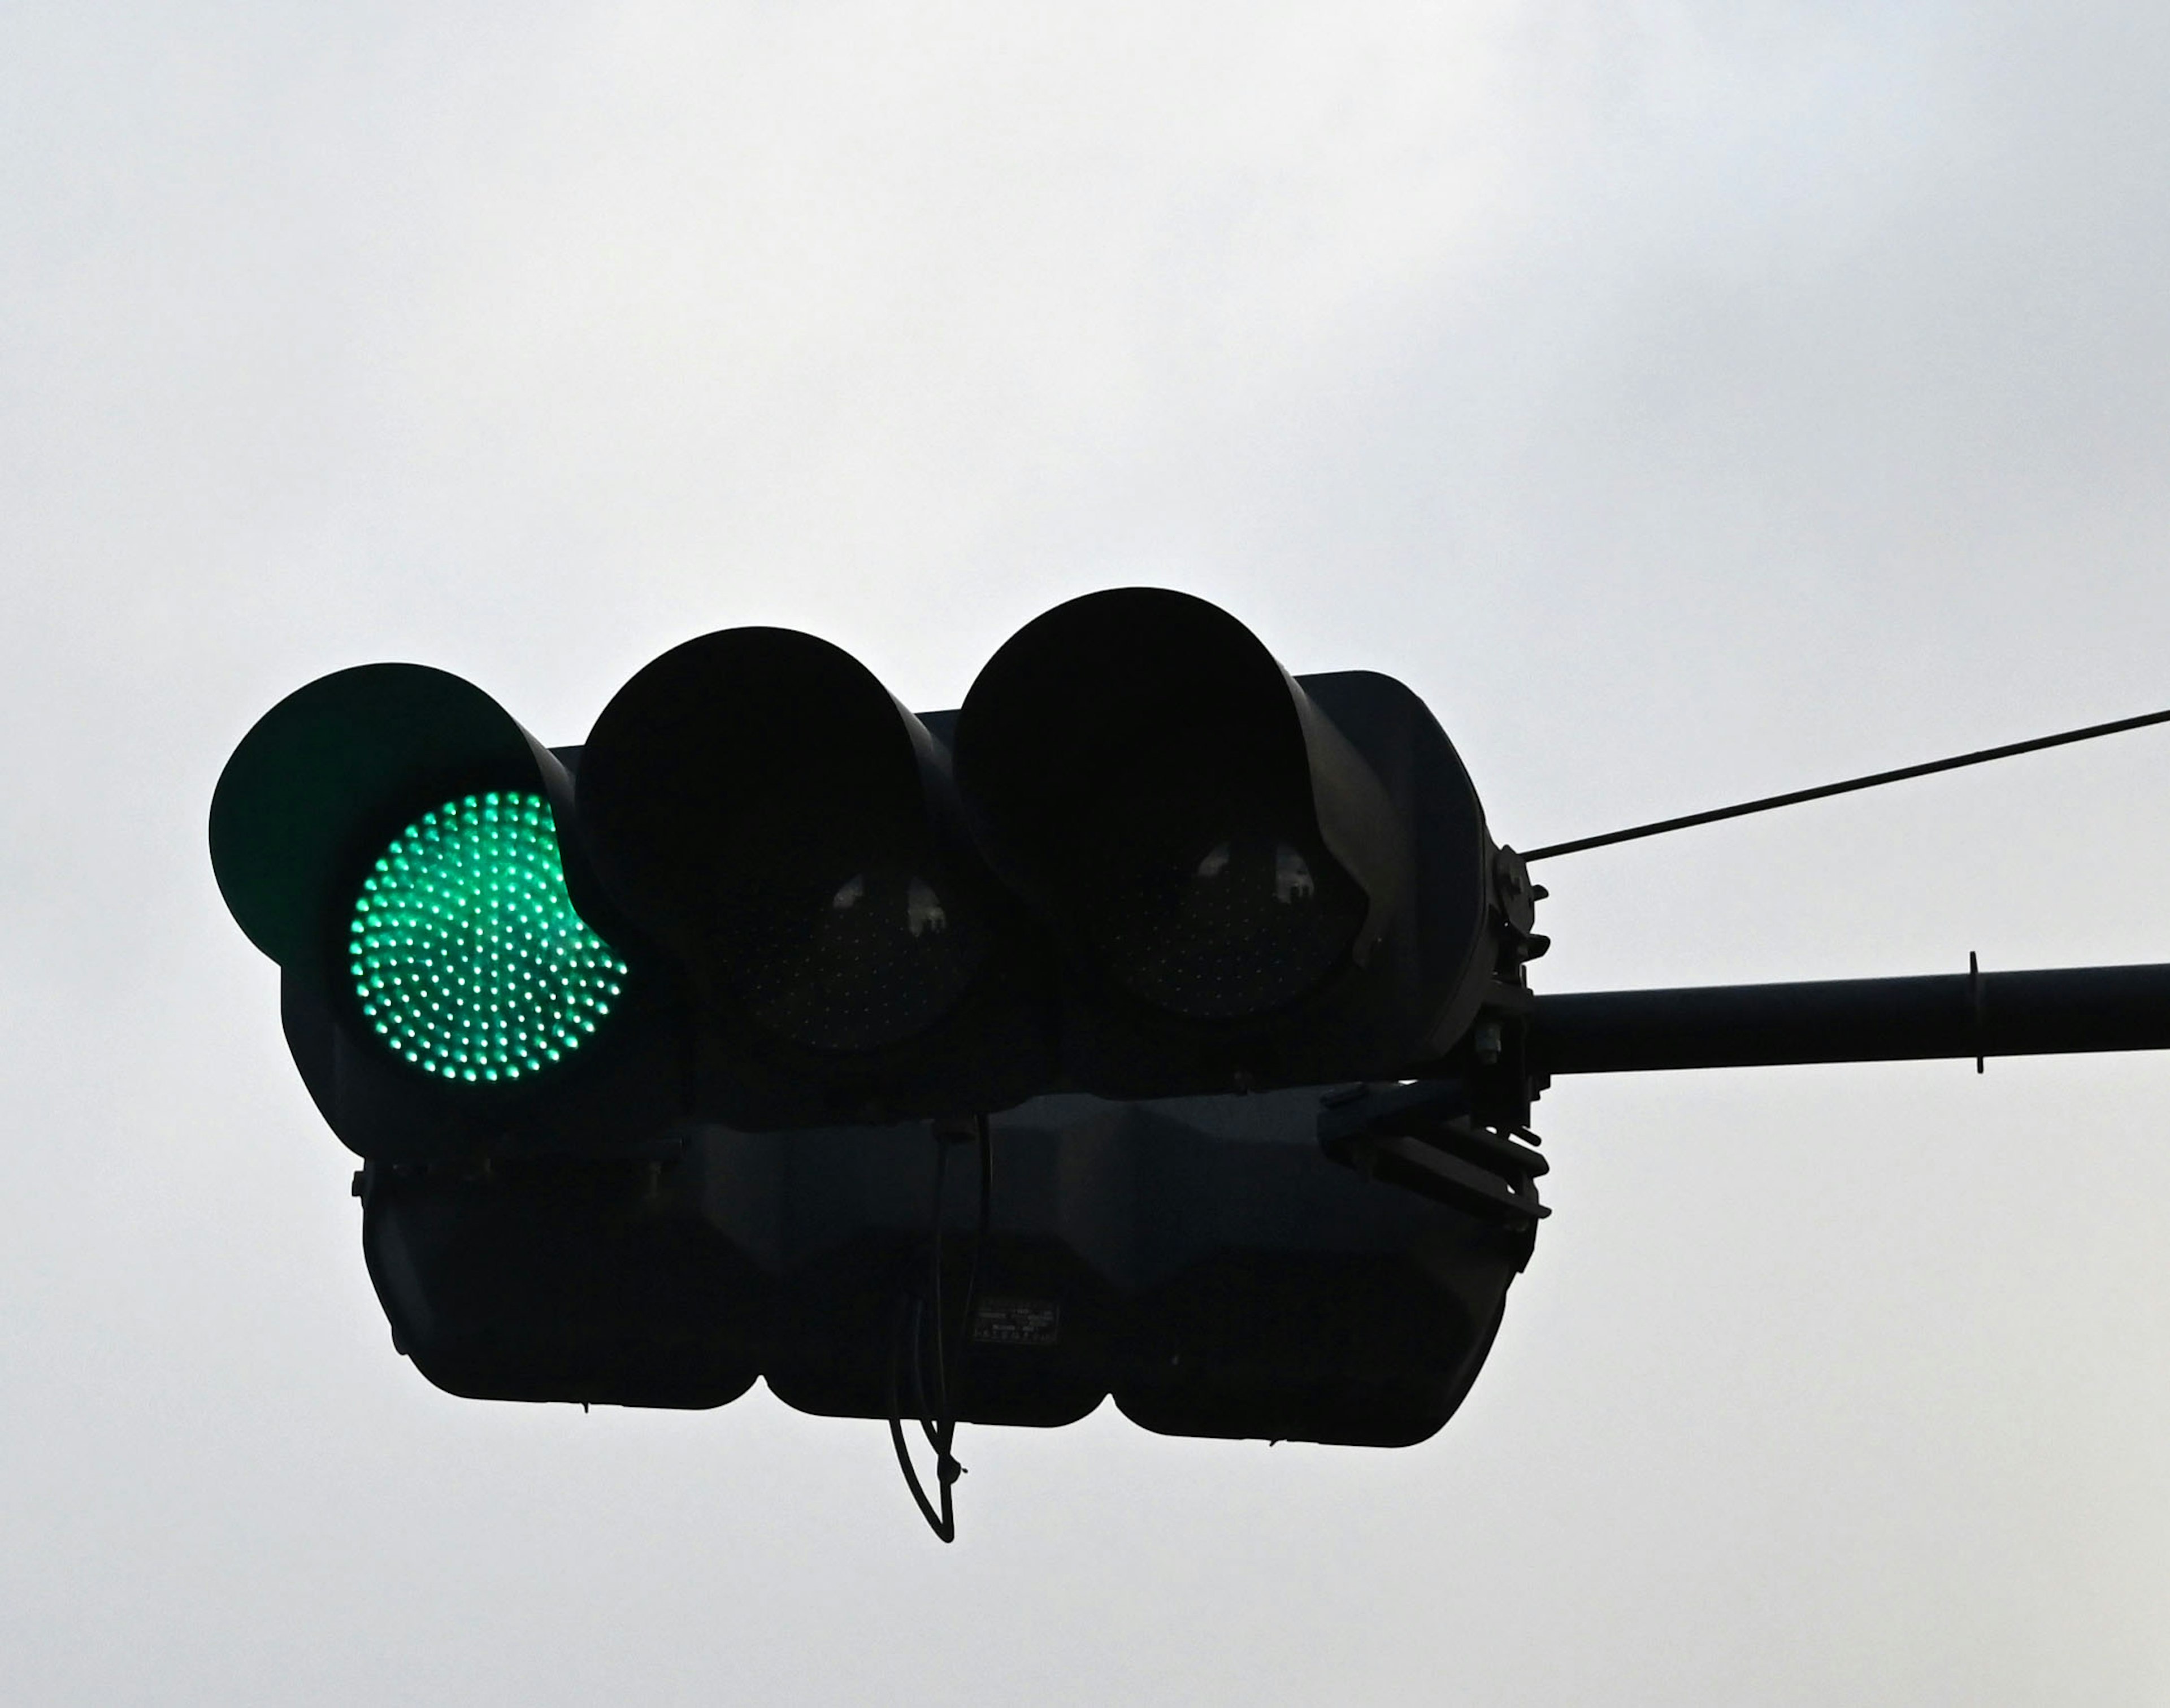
<point>1177,807</point>
<point>759,806</point>
<point>330,774</point>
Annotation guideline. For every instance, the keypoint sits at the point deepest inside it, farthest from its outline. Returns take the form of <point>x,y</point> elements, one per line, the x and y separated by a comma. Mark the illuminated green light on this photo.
<point>465,952</point>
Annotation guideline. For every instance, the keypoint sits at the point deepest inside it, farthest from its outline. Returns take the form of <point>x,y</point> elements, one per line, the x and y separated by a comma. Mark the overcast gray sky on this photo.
<point>1688,400</point>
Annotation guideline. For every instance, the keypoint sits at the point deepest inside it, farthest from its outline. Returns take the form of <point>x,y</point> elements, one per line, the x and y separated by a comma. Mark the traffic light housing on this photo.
<point>658,1052</point>
<point>653,1047</point>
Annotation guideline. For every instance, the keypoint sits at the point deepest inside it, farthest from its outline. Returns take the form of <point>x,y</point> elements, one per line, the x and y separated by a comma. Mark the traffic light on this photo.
<point>657,1049</point>
<point>658,1052</point>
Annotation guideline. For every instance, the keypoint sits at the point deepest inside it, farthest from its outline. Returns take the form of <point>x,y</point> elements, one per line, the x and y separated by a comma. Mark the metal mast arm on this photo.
<point>2055,1011</point>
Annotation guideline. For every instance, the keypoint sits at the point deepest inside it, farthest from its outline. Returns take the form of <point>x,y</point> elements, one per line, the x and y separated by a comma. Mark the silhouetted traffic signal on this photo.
<point>658,1050</point>
<point>641,1040</point>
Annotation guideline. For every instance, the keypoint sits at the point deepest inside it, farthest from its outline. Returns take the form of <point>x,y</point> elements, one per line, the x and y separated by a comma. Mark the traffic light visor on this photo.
<point>1139,765</point>
<point>316,788</point>
<point>757,801</point>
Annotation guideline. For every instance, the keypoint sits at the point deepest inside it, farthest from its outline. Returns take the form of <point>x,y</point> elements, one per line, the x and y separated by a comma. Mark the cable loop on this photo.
<point>915,1315</point>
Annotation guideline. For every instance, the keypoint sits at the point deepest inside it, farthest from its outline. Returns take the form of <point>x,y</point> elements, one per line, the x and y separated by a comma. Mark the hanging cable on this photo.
<point>909,1332</point>
<point>1634,833</point>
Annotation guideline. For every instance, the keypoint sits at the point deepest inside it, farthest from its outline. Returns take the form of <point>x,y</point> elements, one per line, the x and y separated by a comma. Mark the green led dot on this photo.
<point>465,951</point>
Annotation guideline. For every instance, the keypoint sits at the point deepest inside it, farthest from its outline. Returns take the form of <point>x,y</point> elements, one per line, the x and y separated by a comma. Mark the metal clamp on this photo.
<point>1424,1139</point>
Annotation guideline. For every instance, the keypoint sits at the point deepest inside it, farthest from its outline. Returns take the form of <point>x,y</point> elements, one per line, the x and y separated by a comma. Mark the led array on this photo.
<point>465,950</point>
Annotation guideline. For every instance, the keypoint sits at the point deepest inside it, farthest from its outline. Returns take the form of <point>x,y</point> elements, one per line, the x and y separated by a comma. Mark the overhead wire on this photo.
<point>1660,826</point>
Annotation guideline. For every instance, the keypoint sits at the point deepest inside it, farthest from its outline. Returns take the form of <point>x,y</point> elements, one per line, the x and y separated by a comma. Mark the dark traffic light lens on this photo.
<point>1202,889</point>
<point>1223,925</point>
<point>849,955</point>
<point>465,951</point>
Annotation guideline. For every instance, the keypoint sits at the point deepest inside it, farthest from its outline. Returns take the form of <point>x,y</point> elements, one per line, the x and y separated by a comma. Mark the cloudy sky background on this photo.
<point>1689,401</point>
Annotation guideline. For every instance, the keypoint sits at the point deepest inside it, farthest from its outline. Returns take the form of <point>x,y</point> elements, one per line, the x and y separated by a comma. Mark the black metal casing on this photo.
<point>1198,1258</point>
<point>1287,1204</point>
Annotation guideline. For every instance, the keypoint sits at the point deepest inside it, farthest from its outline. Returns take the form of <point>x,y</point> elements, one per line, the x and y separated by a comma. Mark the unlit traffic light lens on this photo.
<point>465,952</point>
<point>1251,924</point>
<point>847,955</point>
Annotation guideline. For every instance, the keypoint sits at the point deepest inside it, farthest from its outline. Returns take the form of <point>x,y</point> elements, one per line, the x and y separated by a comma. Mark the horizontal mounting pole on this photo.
<point>2051,1012</point>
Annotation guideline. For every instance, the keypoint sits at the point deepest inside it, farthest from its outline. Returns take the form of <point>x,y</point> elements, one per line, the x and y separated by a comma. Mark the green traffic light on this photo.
<point>466,956</point>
